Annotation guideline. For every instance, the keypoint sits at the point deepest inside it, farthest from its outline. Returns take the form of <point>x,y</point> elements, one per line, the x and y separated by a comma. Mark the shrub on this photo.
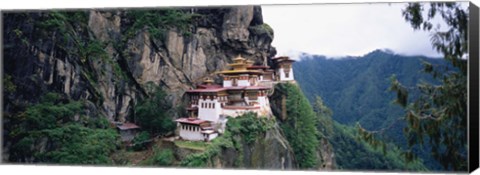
<point>140,141</point>
<point>163,158</point>
<point>152,113</point>
<point>262,29</point>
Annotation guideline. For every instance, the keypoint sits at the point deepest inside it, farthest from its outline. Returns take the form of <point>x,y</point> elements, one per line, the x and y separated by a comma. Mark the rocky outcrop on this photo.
<point>269,151</point>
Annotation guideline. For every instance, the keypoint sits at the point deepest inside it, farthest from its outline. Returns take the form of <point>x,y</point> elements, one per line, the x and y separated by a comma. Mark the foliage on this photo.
<point>80,145</point>
<point>356,154</point>
<point>152,113</point>
<point>247,126</point>
<point>300,125</point>
<point>357,90</point>
<point>72,36</point>
<point>158,22</point>
<point>350,152</point>
<point>163,157</point>
<point>140,141</point>
<point>51,112</point>
<point>440,113</point>
<point>262,29</point>
<point>438,117</point>
<point>212,150</point>
<point>51,124</point>
<point>196,145</point>
<point>8,85</point>
<point>324,118</point>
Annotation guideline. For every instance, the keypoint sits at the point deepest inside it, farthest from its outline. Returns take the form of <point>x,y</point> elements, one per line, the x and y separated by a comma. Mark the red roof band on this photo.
<point>193,121</point>
<point>241,107</point>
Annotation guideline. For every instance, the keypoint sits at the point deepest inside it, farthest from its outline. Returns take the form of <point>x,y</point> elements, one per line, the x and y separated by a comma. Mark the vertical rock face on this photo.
<point>269,151</point>
<point>40,61</point>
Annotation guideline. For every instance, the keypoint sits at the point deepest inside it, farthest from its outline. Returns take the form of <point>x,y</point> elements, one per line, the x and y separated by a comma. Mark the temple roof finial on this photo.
<point>208,81</point>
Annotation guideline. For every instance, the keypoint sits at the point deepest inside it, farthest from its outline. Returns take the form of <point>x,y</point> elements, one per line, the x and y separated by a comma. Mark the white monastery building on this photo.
<point>245,88</point>
<point>284,68</point>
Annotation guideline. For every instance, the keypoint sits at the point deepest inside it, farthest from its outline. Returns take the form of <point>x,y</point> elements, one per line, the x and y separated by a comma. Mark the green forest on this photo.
<point>357,90</point>
<point>315,123</point>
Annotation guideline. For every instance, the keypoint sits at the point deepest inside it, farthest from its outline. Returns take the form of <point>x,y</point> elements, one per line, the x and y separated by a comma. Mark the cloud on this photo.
<point>344,29</point>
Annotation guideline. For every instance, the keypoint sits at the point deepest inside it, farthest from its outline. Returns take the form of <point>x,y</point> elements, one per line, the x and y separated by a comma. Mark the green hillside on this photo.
<point>357,88</point>
<point>350,153</point>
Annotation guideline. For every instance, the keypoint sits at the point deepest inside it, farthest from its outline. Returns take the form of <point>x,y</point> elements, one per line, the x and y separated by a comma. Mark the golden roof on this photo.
<point>208,81</point>
<point>239,72</point>
<point>239,66</point>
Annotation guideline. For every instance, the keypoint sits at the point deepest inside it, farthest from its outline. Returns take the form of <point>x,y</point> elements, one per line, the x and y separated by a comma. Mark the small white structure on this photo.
<point>195,129</point>
<point>128,131</point>
<point>284,69</point>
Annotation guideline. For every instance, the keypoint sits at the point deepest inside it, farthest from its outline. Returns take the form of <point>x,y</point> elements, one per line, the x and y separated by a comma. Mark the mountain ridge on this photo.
<point>357,90</point>
<point>299,56</point>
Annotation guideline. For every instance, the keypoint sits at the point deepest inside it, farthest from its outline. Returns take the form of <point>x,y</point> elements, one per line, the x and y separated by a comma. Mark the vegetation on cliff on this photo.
<point>158,22</point>
<point>300,125</point>
<point>244,129</point>
<point>350,152</point>
<point>57,131</point>
<point>152,113</point>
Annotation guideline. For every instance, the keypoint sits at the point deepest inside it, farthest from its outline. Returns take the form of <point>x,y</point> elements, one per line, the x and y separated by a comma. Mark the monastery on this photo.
<point>245,88</point>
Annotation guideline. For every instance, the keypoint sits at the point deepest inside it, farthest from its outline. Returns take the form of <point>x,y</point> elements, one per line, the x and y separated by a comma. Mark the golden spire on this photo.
<point>208,81</point>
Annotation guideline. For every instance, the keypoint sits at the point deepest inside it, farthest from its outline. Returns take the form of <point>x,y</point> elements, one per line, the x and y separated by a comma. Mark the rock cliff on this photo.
<point>269,151</point>
<point>101,56</point>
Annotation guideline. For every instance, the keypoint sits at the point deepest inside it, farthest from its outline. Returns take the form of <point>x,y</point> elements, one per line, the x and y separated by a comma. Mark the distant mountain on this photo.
<point>356,88</point>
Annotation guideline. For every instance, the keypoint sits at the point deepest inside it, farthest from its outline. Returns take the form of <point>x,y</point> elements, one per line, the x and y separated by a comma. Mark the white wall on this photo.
<point>282,75</point>
<point>227,83</point>
<point>262,101</point>
<point>212,136</point>
<point>210,114</point>
<point>243,83</point>
<point>190,134</point>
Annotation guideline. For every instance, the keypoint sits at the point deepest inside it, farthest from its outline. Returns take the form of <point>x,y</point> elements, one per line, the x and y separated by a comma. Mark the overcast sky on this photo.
<point>344,29</point>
